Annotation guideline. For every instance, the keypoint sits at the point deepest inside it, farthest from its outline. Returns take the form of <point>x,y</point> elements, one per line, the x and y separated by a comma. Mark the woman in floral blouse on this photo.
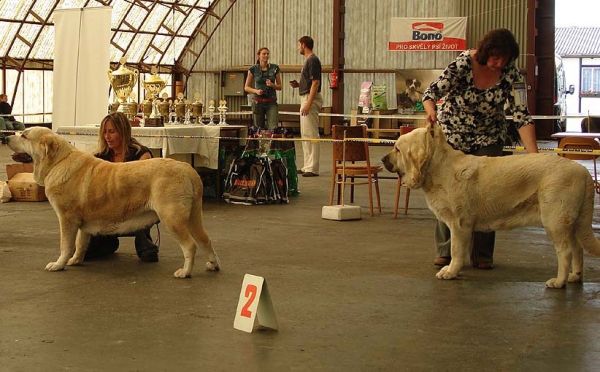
<point>470,100</point>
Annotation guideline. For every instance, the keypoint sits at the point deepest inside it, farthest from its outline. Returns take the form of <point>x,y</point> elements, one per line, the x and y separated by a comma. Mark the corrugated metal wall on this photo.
<point>487,15</point>
<point>277,24</point>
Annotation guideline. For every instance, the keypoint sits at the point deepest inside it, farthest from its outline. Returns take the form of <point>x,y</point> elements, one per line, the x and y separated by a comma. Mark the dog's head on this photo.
<point>43,145</point>
<point>412,84</point>
<point>412,153</point>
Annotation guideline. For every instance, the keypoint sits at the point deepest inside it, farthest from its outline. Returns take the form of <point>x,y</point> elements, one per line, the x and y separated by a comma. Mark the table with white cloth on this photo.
<point>199,145</point>
<point>193,143</point>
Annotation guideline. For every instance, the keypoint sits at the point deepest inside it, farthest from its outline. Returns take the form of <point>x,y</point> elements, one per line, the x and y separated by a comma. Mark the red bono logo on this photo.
<point>423,31</point>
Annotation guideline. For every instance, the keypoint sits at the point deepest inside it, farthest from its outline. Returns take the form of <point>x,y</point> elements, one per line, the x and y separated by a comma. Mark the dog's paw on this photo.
<point>74,261</point>
<point>53,266</point>
<point>555,283</point>
<point>445,273</point>
<point>182,274</point>
<point>213,266</point>
<point>575,278</point>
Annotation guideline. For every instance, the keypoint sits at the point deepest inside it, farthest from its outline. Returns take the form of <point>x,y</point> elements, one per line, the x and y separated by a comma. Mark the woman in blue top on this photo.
<point>470,100</point>
<point>267,79</point>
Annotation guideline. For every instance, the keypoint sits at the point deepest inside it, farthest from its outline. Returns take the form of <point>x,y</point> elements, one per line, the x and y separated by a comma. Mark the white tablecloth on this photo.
<point>170,140</point>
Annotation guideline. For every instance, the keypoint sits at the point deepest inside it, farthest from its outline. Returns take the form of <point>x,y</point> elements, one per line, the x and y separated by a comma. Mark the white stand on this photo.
<point>342,212</point>
<point>255,303</point>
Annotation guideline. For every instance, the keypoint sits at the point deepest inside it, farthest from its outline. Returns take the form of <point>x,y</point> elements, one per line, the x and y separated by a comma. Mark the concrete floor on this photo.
<point>349,296</point>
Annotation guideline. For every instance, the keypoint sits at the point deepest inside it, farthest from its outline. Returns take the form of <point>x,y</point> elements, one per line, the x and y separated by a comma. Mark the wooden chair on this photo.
<point>580,143</point>
<point>357,164</point>
<point>403,130</point>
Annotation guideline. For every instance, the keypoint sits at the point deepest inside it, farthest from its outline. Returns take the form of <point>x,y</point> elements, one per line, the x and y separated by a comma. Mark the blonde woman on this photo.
<point>115,144</point>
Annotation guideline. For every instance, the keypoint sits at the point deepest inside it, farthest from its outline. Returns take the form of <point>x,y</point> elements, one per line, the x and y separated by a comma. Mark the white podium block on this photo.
<point>341,212</point>
<point>254,304</point>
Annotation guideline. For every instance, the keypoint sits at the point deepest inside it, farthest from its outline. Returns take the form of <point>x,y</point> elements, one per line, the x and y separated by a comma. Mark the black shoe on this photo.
<point>148,256</point>
<point>309,174</point>
<point>300,171</point>
<point>101,246</point>
<point>145,248</point>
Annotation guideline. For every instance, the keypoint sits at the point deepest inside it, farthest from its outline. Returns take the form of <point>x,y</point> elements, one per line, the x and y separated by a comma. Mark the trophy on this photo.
<point>180,107</point>
<point>222,112</point>
<point>133,106</point>
<point>154,85</point>
<point>122,81</point>
<point>211,112</point>
<point>172,114</point>
<point>188,112</point>
<point>197,109</point>
<point>113,107</point>
<point>147,108</point>
<point>163,107</point>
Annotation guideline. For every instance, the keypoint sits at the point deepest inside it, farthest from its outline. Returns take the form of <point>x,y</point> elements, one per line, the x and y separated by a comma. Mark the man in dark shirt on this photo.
<point>311,102</point>
<point>7,121</point>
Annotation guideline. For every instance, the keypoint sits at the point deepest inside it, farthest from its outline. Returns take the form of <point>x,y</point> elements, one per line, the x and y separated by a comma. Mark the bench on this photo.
<point>47,125</point>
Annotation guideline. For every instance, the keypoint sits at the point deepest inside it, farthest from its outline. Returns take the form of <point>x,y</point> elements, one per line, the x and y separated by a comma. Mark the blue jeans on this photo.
<point>6,124</point>
<point>270,110</point>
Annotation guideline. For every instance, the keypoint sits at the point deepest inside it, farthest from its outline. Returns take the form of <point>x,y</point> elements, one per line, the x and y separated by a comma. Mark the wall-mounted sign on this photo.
<point>428,34</point>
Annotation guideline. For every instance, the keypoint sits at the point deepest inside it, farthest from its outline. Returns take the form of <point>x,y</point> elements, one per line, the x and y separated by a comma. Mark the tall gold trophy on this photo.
<point>122,81</point>
<point>154,85</point>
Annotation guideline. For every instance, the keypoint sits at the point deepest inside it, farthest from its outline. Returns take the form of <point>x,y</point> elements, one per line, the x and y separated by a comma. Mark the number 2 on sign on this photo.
<point>250,295</point>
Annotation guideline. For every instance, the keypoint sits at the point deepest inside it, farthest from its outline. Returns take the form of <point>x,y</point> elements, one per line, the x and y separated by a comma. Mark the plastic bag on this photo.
<point>379,97</point>
<point>364,99</point>
<point>5,194</point>
<point>257,180</point>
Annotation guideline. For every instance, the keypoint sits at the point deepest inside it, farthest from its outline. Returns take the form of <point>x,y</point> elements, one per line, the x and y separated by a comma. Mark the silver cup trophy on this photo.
<point>222,112</point>
<point>211,112</point>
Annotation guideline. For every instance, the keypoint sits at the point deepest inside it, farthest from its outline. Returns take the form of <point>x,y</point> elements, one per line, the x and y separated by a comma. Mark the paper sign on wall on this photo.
<point>254,304</point>
<point>428,34</point>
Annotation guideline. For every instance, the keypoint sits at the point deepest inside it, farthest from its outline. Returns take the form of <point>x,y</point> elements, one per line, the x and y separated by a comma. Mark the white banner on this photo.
<point>428,34</point>
<point>81,62</point>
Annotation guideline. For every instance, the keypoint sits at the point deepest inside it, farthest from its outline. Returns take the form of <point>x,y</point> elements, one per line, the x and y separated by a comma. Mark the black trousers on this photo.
<point>482,242</point>
<point>103,245</point>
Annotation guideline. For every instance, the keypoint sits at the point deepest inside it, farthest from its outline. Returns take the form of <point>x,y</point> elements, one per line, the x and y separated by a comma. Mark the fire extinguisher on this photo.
<point>334,79</point>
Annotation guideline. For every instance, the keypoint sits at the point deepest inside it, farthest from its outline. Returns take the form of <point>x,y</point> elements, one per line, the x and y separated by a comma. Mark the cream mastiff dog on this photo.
<point>92,196</point>
<point>471,193</point>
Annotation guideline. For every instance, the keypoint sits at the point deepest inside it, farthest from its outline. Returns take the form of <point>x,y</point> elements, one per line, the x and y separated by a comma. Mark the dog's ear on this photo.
<point>408,82</point>
<point>430,127</point>
<point>416,158</point>
<point>49,146</point>
<point>47,149</point>
<point>418,83</point>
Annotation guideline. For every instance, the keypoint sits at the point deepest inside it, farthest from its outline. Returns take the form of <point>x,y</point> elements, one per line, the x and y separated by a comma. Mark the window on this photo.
<point>590,82</point>
<point>33,98</point>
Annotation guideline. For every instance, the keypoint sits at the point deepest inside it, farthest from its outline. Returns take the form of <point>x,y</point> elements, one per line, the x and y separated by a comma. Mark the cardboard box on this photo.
<point>21,183</point>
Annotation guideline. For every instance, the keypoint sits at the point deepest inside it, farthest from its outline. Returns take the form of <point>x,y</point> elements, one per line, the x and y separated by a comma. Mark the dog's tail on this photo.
<point>196,227</point>
<point>196,211</point>
<point>584,232</point>
<point>590,243</point>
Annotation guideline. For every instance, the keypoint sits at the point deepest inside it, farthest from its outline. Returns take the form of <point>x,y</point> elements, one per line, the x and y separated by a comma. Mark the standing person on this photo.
<point>311,102</point>
<point>267,79</point>
<point>115,144</point>
<point>474,90</point>
<point>7,122</point>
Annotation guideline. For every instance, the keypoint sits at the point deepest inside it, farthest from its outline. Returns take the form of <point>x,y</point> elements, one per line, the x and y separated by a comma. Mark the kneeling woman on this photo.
<point>115,144</point>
